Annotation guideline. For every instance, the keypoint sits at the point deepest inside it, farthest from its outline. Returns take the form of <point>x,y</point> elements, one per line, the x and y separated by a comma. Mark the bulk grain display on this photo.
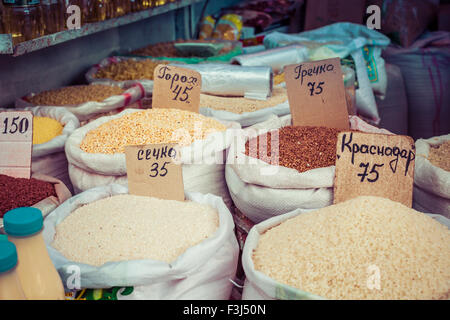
<point>244,110</point>
<point>297,170</point>
<point>96,151</point>
<point>145,246</point>
<point>40,191</point>
<point>432,175</point>
<point>124,72</point>
<point>51,128</point>
<point>364,248</point>
<point>87,101</point>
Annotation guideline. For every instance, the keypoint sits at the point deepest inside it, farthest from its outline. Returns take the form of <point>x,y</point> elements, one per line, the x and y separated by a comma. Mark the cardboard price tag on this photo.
<point>316,94</point>
<point>376,165</point>
<point>16,140</point>
<point>176,87</point>
<point>153,170</point>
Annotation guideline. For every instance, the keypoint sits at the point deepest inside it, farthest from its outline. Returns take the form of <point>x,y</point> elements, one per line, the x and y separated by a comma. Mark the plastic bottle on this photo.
<point>22,19</point>
<point>10,287</point>
<point>52,16</point>
<point>37,274</point>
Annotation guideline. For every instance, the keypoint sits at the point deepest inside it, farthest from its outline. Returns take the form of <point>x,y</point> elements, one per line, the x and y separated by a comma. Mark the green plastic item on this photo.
<point>198,49</point>
<point>237,50</point>
<point>3,237</point>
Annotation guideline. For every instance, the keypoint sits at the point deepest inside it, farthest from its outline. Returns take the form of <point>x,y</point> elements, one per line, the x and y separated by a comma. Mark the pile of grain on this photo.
<point>128,227</point>
<point>150,126</point>
<point>45,129</point>
<point>336,252</point>
<point>241,105</point>
<point>21,192</point>
<point>300,148</point>
<point>440,155</point>
<point>129,70</point>
<point>75,95</point>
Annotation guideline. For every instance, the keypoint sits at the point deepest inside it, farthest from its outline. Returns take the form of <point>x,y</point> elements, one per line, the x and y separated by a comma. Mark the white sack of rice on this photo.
<point>364,248</point>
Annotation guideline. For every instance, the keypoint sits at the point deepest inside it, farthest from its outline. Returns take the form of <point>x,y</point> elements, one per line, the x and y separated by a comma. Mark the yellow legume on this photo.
<point>150,126</point>
<point>45,129</point>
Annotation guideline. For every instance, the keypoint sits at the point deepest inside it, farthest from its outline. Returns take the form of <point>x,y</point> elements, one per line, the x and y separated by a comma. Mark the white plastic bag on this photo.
<point>258,286</point>
<point>431,183</point>
<point>146,83</point>
<point>247,119</point>
<point>86,110</point>
<point>425,67</point>
<point>260,195</point>
<point>341,40</point>
<point>204,174</point>
<point>49,158</point>
<point>202,272</point>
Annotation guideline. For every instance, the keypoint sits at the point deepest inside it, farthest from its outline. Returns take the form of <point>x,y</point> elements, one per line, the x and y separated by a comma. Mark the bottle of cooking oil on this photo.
<point>52,14</point>
<point>23,19</point>
<point>1,18</point>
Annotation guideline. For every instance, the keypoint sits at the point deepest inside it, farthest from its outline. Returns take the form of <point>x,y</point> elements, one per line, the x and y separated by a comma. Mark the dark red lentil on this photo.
<point>301,148</point>
<point>20,192</point>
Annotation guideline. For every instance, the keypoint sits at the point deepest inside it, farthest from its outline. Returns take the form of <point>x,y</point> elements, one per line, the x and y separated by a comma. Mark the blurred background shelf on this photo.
<point>7,46</point>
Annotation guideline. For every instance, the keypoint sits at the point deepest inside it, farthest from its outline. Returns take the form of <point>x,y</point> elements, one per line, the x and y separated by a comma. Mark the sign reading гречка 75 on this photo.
<point>374,164</point>
<point>316,94</point>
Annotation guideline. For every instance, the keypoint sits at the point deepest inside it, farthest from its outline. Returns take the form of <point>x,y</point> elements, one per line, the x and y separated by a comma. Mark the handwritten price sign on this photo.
<point>316,94</point>
<point>16,138</point>
<point>374,164</point>
<point>154,170</point>
<point>176,87</point>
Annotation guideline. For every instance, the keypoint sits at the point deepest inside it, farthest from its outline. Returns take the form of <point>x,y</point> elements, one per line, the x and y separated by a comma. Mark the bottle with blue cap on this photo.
<point>10,287</point>
<point>37,274</point>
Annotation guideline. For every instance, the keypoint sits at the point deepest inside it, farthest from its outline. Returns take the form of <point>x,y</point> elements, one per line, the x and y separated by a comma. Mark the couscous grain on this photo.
<point>129,227</point>
<point>241,105</point>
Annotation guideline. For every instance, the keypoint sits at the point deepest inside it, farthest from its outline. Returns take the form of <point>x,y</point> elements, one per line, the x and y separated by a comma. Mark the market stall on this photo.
<point>223,150</point>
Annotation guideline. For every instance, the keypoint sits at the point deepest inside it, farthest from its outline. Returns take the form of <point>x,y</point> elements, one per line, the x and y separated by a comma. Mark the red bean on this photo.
<point>20,192</point>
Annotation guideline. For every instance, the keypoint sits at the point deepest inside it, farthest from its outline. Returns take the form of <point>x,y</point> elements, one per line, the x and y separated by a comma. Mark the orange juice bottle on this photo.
<point>10,287</point>
<point>37,274</point>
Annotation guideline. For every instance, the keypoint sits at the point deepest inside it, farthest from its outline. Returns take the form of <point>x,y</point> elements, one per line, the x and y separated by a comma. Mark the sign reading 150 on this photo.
<point>15,125</point>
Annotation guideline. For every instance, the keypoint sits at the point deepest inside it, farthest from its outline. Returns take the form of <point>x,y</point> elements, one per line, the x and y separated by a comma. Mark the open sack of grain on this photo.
<point>40,191</point>
<point>51,128</point>
<point>96,151</point>
<point>302,177</point>
<point>86,101</point>
<point>157,249</point>
<point>364,248</point>
<point>244,110</point>
<point>124,72</point>
<point>432,175</point>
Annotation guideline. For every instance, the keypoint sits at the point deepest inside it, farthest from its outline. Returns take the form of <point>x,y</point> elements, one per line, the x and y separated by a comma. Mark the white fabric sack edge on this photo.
<point>196,178</point>
<point>115,164</point>
<point>428,176</point>
<point>86,110</point>
<point>259,286</point>
<point>63,116</point>
<point>287,178</point>
<point>248,118</point>
<point>207,254</point>
<point>425,201</point>
<point>146,83</point>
